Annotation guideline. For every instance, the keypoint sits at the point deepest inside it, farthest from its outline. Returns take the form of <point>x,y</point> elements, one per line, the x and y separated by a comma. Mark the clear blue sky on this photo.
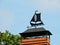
<point>15,16</point>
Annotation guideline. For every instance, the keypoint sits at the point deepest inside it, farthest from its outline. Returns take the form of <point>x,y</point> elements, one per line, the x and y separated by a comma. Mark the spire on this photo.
<point>36,19</point>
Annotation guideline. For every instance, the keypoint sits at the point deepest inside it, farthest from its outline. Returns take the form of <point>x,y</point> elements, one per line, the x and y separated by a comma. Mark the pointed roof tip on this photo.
<point>37,12</point>
<point>36,18</point>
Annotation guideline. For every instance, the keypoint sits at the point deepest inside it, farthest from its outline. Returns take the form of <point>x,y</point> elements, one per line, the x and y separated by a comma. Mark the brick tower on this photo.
<point>36,35</point>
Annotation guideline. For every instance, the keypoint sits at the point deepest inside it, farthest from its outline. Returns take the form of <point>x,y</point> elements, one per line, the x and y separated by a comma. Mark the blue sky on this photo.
<point>15,16</point>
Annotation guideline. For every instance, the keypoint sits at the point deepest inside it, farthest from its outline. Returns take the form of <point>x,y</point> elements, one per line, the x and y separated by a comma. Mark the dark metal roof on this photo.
<point>35,32</point>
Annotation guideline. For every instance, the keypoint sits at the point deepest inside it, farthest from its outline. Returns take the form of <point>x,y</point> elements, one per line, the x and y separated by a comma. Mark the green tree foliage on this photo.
<point>9,39</point>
